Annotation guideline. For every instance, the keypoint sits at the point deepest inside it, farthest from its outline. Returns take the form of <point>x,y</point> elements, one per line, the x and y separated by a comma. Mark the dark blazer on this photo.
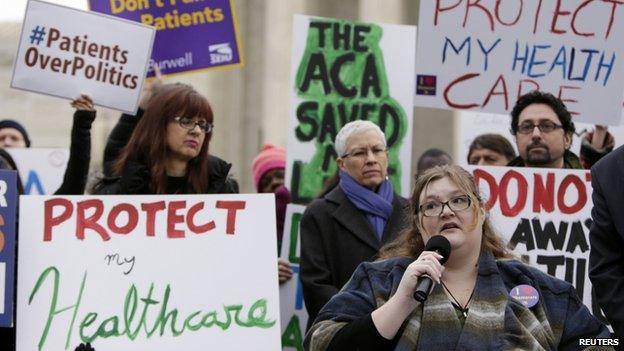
<point>606,236</point>
<point>335,239</point>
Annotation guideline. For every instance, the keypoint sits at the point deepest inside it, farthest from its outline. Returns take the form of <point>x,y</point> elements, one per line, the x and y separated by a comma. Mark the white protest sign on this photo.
<point>474,124</point>
<point>482,55</point>
<point>41,170</point>
<point>148,273</point>
<point>294,315</point>
<point>65,52</point>
<point>545,216</point>
<point>343,71</point>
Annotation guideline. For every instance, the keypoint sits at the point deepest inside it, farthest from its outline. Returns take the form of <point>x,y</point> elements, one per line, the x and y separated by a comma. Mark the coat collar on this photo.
<point>355,221</point>
<point>495,321</point>
<point>570,161</point>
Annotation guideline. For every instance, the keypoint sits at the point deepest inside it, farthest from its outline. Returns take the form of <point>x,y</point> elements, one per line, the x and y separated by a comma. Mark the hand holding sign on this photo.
<point>599,138</point>
<point>284,270</point>
<point>151,87</point>
<point>83,103</point>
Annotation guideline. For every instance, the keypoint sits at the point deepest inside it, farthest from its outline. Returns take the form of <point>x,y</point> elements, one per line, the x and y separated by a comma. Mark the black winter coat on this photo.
<point>335,238</point>
<point>136,181</point>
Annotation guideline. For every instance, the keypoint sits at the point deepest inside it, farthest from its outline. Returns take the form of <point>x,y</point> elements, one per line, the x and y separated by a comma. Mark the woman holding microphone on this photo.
<point>483,299</point>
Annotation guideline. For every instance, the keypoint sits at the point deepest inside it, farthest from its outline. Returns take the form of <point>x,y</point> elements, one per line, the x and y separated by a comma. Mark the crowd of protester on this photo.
<point>363,246</point>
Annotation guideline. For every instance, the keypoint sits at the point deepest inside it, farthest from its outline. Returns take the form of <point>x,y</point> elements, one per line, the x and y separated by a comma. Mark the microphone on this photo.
<point>442,246</point>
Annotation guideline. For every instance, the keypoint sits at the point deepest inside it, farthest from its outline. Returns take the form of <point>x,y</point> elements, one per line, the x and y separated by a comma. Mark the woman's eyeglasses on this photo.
<point>435,208</point>
<point>377,151</point>
<point>189,123</point>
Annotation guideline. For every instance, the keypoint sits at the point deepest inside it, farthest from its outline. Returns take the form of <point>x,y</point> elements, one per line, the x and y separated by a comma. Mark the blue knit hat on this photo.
<point>9,123</point>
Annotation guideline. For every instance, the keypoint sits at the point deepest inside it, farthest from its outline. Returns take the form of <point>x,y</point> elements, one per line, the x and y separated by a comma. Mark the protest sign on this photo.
<point>148,273</point>
<point>343,71</point>
<point>545,216</point>
<point>483,55</point>
<point>8,204</point>
<point>190,35</point>
<point>294,315</point>
<point>65,52</point>
<point>41,170</point>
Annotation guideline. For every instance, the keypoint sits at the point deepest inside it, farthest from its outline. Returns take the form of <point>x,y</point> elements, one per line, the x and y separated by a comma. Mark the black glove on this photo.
<point>83,347</point>
<point>135,178</point>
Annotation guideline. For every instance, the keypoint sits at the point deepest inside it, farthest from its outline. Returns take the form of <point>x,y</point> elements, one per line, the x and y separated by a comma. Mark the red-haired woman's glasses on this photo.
<point>189,123</point>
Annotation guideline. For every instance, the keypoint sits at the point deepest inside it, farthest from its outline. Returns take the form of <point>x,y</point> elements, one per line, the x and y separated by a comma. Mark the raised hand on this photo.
<point>284,270</point>
<point>83,103</point>
<point>150,87</point>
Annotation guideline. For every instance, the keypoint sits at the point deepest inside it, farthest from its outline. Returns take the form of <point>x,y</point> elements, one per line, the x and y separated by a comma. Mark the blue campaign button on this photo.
<point>525,294</point>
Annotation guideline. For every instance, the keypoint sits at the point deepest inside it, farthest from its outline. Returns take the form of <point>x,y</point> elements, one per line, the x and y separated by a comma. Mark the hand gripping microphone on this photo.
<point>442,246</point>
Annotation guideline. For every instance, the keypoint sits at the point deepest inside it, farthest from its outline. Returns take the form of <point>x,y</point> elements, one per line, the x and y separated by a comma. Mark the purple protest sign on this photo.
<point>8,202</point>
<point>190,35</point>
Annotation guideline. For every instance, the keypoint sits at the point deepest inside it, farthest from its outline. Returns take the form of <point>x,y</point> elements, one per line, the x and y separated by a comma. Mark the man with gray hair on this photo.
<point>350,224</point>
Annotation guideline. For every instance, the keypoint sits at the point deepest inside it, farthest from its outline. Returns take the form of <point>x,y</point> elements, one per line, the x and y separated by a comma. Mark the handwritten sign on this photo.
<point>294,316</point>
<point>344,71</point>
<point>8,204</point>
<point>65,52</point>
<point>190,35</point>
<point>41,170</point>
<point>482,55</point>
<point>148,273</point>
<point>545,215</point>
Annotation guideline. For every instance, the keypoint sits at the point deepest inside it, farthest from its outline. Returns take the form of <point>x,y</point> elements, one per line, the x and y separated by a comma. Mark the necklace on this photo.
<point>462,309</point>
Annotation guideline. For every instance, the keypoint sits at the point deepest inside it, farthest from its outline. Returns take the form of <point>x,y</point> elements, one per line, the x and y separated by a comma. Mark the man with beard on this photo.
<point>543,128</point>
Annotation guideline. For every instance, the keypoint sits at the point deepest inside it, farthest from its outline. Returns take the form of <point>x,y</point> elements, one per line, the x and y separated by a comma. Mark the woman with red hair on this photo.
<point>168,150</point>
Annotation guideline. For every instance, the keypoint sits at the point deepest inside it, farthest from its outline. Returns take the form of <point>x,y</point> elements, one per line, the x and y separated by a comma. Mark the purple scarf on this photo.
<point>376,205</point>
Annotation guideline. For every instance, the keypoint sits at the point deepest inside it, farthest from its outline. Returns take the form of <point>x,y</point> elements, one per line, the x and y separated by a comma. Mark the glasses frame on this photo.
<point>539,126</point>
<point>208,130</point>
<point>447,203</point>
<point>364,156</point>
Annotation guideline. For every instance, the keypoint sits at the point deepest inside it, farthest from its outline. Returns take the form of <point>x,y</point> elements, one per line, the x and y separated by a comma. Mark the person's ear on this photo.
<point>567,139</point>
<point>515,136</point>
<point>340,163</point>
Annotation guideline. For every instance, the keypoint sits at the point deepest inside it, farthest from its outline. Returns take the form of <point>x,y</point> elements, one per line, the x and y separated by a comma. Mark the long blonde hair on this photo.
<point>410,242</point>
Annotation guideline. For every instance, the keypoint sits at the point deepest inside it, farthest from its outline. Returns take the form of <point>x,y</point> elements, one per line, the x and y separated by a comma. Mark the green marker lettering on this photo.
<point>126,326</point>
<point>341,77</point>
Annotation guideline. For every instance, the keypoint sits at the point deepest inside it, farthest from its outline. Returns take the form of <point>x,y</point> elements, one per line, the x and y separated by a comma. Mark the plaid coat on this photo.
<point>495,320</point>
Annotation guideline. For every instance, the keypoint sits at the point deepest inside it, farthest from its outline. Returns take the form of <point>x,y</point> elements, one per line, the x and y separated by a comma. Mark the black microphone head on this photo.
<point>441,245</point>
